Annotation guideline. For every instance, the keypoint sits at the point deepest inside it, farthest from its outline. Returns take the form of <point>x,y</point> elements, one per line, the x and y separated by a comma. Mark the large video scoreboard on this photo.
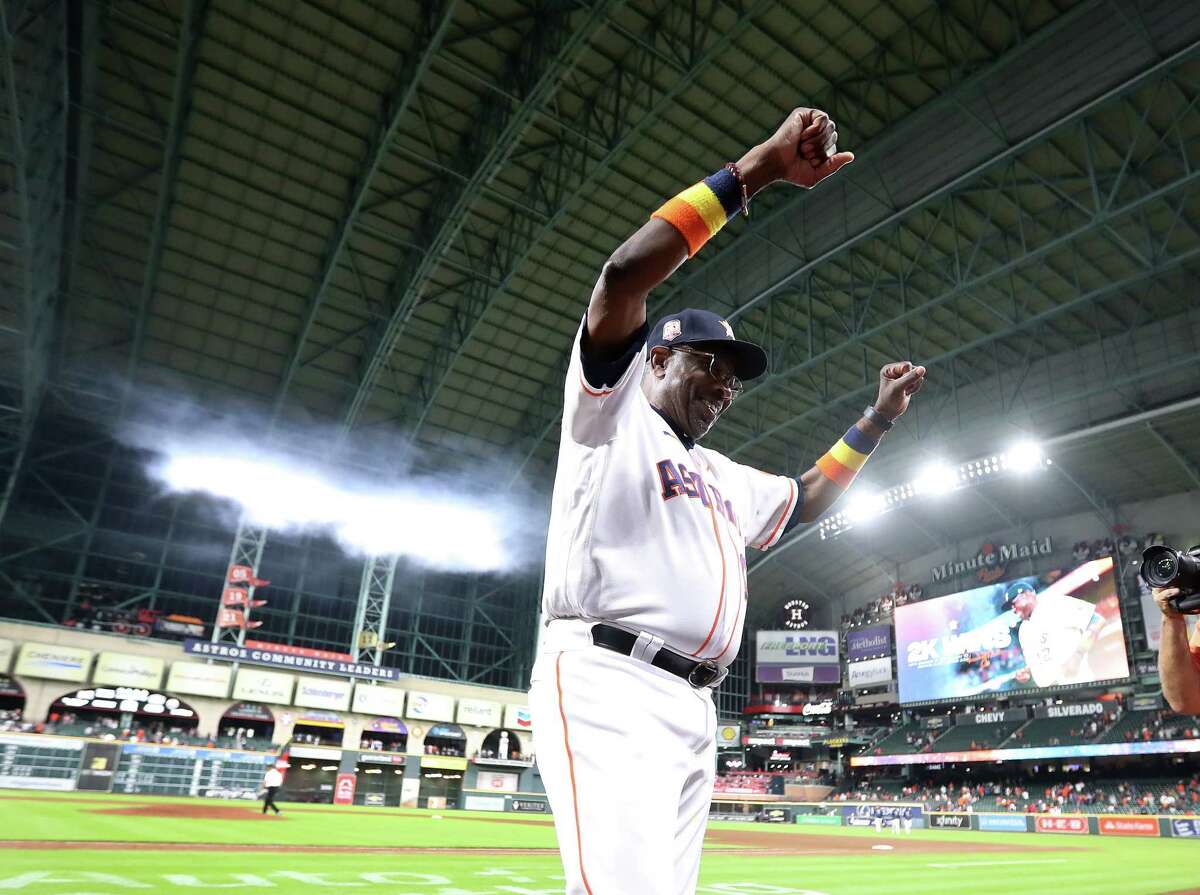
<point>1026,634</point>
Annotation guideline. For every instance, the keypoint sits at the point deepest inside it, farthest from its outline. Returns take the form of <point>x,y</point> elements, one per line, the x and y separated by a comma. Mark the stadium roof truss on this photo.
<point>386,218</point>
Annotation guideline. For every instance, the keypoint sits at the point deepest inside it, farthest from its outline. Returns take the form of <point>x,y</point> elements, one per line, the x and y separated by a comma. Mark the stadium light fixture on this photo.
<point>865,505</point>
<point>1024,456</point>
<point>935,479</point>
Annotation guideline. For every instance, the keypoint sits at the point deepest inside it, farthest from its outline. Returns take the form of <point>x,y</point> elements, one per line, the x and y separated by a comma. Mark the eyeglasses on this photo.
<point>729,380</point>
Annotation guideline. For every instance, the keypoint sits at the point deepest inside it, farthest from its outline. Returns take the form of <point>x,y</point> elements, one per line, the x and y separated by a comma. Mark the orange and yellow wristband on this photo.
<point>843,461</point>
<point>700,211</point>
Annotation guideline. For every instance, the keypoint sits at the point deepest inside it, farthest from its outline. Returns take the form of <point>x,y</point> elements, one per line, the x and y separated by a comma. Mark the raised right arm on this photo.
<point>801,152</point>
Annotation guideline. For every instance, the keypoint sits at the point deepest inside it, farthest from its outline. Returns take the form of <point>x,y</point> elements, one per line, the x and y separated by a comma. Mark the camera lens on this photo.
<point>1160,565</point>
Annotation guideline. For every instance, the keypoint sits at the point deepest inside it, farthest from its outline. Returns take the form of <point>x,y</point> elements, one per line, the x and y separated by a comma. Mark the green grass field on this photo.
<point>1075,865</point>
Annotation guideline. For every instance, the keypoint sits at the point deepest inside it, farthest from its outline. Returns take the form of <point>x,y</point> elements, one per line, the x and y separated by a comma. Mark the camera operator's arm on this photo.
<point>1176,668</point>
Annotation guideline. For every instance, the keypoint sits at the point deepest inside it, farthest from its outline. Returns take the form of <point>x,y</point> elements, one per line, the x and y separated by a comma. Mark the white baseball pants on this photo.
<point>627,753</point>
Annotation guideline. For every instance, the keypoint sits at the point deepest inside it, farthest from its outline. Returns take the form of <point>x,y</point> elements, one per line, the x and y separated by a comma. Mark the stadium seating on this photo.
<point>966,737</point>
<point>1049,732</point>
<point>1128,727</point>
<point>898,742</point>
<point>1021,795</point>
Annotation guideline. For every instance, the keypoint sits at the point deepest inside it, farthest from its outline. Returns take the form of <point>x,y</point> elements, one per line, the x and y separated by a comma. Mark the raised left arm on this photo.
<point>831,475</point>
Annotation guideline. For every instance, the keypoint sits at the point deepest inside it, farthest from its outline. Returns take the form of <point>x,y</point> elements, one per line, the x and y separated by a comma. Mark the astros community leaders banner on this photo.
<point>230,652</point>
<point>800,656</point>
<point>1025,634</point>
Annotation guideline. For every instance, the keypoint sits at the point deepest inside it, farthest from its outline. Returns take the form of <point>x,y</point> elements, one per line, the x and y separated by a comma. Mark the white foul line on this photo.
<point>998,863</point>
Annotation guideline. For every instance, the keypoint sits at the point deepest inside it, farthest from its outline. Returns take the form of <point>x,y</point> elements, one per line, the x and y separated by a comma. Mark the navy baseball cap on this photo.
<point>708,331</point>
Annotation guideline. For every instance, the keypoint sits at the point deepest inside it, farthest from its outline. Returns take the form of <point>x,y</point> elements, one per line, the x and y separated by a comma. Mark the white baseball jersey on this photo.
<point>647,531</point>
<point>1051,635</point>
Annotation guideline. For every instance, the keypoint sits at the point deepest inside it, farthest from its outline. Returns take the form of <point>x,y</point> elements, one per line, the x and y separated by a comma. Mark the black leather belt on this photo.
<point>703,673</point>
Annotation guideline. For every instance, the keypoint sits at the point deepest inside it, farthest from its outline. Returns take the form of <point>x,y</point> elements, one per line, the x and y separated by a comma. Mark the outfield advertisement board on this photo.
<point>864,815</point>
<point>1128,825</point>
<point>124,670</point>
<point>199,679</point>
<point>950,820</point>
<point>1188,828</point>
<point>376,699</point>
<point>819,820</point>
<point>483,803</point>
<point>868,643</point>
<point>253,685</point>
<point>479,713</point>
<point>1003,823</point>
<point>429,706</point>
<point>322,693</point>
<point>797,656</point>
<point>1061,823</point>
<point>869,672</point>
<point>53,661</point>
<point>1025,634</point>
<point>518,717</point>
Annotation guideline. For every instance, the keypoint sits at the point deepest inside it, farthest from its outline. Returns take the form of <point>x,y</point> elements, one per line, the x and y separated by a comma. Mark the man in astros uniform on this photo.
<point>645,586</point>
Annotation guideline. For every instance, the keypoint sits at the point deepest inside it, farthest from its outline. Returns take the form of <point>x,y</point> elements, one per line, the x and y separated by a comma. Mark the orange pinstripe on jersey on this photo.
<point>721,600</point>
<point>562,713</point>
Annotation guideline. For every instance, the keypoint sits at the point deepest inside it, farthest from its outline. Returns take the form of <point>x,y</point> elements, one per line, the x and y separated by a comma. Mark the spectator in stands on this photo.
<point>1178,661</point>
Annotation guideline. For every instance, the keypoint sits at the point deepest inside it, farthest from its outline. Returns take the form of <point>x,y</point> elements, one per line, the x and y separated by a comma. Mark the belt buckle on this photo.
<point>704,673</point>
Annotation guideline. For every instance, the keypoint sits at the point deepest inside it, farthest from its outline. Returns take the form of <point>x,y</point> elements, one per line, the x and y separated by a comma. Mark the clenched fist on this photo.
<point>897,384</point>
<point>803,150</point>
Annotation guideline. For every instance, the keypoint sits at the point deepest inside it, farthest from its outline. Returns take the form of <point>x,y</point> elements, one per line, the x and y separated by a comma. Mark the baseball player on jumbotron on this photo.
<point>645,588</point>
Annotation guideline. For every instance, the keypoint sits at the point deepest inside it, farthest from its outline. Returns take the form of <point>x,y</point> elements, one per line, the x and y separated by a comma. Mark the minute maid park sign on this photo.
<point>991,562</point>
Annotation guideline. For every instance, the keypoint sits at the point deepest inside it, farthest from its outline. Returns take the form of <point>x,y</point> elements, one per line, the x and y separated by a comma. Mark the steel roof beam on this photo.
<point>561,179</point>
<point>1105,507</point>
<point>33,74</point>
<point>540,67</point>
<point>1182,461</point>
<point>541,426</point>
<point>1009,151</point>
<point>470,313</point>
<point>191,31</point>
<point>395,111</point>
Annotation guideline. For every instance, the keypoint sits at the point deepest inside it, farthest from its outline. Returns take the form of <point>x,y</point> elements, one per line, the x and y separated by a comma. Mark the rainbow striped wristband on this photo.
<point>700,211</point>
<point>843,461</point>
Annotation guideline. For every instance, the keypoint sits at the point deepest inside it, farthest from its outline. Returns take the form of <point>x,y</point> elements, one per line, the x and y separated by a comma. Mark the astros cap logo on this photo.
<point>671,330</point>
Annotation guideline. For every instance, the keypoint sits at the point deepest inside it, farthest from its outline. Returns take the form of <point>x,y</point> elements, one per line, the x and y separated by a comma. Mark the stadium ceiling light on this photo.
<point>1024,456</point>
<point>863,506</point>
<point>934,479</point>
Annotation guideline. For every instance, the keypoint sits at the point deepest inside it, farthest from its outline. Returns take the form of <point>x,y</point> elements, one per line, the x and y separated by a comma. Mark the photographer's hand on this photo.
<point>1163,596</point>
<point>1177,667</point>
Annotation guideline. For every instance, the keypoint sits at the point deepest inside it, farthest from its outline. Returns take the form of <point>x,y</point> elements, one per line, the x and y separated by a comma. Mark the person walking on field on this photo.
<point>645,586</point>
<point>272,780</point>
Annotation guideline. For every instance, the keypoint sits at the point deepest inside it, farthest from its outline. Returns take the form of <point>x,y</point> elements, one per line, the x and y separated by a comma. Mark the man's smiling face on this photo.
<point>692,386</point>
